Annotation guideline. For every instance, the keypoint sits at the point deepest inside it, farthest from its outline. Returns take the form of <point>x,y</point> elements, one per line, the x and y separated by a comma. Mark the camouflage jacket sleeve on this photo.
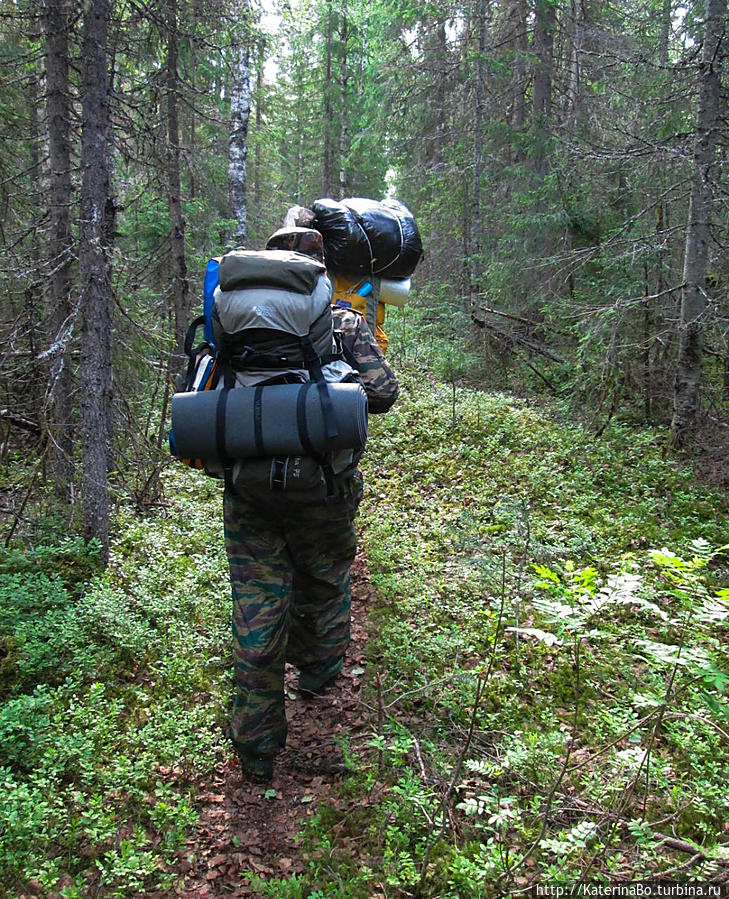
<point>362,352</point>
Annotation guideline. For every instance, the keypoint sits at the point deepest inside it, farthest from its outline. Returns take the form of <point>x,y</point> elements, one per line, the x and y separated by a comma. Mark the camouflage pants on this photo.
<point>289,572</point>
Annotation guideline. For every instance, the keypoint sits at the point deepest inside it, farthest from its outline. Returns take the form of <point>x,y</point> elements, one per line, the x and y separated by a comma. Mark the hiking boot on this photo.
<point>315,682</point>
<point>256,770</point>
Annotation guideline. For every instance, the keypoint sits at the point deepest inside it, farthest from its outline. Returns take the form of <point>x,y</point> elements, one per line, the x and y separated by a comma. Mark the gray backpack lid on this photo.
<point>275,309</point>
<point>282,269</point>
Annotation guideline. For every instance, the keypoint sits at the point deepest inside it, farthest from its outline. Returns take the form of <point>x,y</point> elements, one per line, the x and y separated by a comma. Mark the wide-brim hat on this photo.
<point>301,240</point>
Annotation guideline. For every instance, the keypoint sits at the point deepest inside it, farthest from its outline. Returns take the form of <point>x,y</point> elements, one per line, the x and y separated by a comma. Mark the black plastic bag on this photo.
<point>368,238</point>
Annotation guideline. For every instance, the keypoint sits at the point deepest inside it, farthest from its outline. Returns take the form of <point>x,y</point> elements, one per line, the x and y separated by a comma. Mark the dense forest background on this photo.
<point>536,693</point>
<point>566,162</point>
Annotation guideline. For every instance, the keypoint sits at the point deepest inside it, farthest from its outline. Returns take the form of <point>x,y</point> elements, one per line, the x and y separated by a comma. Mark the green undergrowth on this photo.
<point>546,685</point>
<point>112,684</point>
<point>548,657</point>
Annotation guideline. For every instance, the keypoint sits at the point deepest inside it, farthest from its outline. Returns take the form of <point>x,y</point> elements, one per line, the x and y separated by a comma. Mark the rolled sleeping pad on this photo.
<point>269,420</point>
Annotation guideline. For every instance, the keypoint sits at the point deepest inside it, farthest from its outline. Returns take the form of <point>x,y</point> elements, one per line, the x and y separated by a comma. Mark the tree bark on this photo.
<point>180,284</point>
<point>36,386</point>
<point>544,24</point>
<point>436,57</point>
<point>579,18</point>
<point>258,175</point>
<point>544,49</point>
<point>54,23</point>
<point>111,209</point>
<point>191,141</point>
<point>328,152</point>
<point>693,292</point>
<point>438,54</point>
<point>519,44</point>
<point>666,11</point>
<point>646,345</point>
<point>476,222</point>
<point>95,368</point>
<point>343,116</point>
<point>240,111</point>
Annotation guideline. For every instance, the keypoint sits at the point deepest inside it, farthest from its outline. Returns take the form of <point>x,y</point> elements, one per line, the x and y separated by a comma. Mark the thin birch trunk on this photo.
<point>240,111</point>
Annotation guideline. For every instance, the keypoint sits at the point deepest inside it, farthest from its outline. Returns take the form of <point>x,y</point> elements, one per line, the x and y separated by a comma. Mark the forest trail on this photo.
<point>244,827</point>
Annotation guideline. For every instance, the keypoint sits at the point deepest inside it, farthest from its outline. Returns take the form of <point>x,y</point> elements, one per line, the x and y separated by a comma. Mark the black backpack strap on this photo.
<point>301,419</point>
<point>350,358</point>
<point>190,335</point>
<point>305,440</point>
<point>313,363</point>
<point>247,357</point>
<point>277,477</point>
<point>338,353</point>
<point>328,473</point>
<point>193,354</point>
<point>220,409</point>
<point>258,419</point>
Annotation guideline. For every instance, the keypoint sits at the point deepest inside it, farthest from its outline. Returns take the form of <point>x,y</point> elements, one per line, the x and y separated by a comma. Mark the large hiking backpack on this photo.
<point>282,410</point>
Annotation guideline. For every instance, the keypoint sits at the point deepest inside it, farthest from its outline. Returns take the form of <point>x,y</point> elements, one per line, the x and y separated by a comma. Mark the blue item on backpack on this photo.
<point>212,275</point>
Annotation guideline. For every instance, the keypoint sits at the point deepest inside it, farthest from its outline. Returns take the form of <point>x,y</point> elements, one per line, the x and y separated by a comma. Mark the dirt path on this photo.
<point>244,827</point>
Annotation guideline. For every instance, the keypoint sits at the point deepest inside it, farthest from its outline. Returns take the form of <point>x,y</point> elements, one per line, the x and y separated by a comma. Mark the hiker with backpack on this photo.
<point>290,550</point>
<point>278,409</point>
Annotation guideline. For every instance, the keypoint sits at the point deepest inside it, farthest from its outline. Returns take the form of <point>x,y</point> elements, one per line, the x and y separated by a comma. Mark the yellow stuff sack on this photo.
<point>345,294</point>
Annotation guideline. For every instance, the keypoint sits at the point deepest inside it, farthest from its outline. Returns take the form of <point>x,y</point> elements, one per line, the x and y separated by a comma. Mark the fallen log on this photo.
<point>514,337</point>
<point>19,421</point>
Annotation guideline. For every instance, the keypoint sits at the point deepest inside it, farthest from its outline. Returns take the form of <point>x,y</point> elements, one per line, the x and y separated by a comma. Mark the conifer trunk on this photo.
<point>328,153</point>
<point>95,368</point>
<point>544,24</point>
<point>476,218</point>
<point>54,23</point>
<point>516,39</point>
<point>693,291</point>
<point>180,284</point>
<point>666,12</point>
<point>343,118</point>
<point>258,174</point>
<point>579,18</point>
